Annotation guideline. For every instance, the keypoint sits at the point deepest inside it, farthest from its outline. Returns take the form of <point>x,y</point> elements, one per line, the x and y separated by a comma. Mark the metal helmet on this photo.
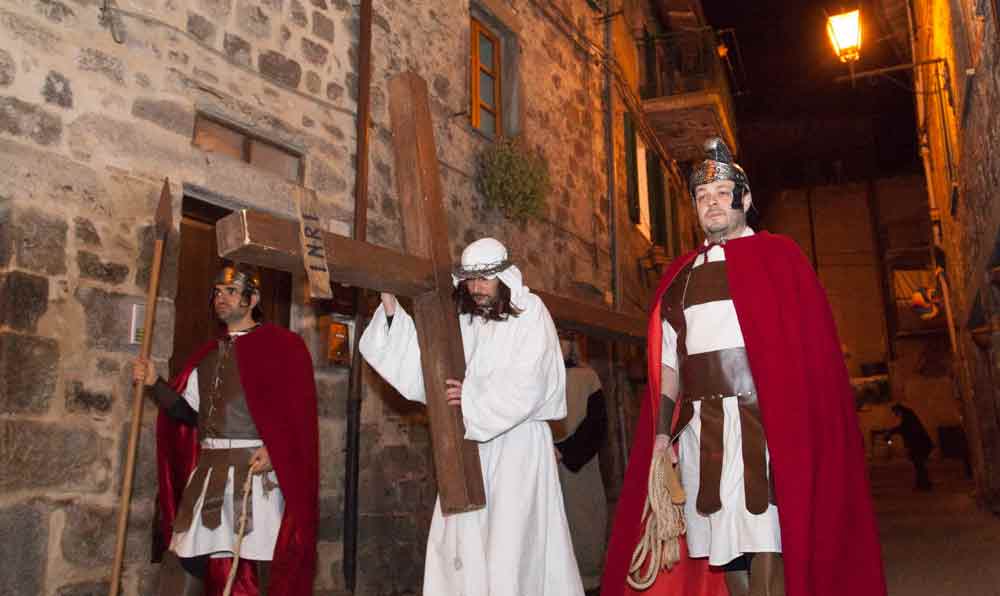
<point>245,275</point>
<point>719,165</point>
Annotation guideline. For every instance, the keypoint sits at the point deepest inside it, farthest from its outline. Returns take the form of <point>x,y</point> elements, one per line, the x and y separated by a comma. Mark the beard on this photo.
<point>228,315</point>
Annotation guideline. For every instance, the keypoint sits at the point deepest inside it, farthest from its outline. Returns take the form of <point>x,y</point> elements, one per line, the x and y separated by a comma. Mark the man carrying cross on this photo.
<point>515,381</point>
<point>244,406</point>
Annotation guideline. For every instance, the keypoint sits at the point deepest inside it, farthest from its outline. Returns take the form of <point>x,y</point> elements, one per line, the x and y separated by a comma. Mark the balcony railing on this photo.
<point>684,62</point>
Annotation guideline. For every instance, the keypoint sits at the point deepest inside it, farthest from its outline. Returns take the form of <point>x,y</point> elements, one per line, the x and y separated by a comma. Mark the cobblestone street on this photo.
<point>937,543</point>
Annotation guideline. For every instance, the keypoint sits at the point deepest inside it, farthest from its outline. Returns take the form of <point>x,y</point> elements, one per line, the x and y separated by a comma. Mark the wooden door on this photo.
<point>198,262</point>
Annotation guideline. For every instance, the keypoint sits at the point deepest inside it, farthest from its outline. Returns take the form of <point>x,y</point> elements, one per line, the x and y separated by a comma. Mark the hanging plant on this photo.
<point>513,178</point>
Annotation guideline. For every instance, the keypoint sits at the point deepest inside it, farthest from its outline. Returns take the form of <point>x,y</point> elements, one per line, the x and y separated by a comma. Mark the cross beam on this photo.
<point>423,273</point>
<point>256,237</point>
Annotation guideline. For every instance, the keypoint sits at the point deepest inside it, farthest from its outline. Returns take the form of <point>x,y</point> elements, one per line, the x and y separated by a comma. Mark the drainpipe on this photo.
<point>922,137</point>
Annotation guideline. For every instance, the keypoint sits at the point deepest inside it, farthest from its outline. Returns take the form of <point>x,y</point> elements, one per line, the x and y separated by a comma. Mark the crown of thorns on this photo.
<point>480,269</point>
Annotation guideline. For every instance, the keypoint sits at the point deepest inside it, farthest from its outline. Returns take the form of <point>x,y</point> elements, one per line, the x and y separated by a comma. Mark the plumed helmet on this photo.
<point>718,165</point>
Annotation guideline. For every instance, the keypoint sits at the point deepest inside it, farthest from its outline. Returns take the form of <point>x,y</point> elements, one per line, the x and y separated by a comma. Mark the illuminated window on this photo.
<point>487,110</point>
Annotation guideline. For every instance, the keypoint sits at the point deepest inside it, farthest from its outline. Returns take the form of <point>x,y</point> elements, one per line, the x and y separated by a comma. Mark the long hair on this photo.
<point>500,310</point>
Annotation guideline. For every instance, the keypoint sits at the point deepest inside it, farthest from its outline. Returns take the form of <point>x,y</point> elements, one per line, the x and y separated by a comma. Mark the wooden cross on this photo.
<point>423,273</point>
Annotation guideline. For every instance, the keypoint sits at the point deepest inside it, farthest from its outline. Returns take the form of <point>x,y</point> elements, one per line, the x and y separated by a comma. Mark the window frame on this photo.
<point>477,28</point>
<point>246,145</point>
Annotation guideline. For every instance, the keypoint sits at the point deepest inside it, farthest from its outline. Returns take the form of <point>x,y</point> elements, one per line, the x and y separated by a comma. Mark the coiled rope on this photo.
<point>663,521</point>
<point>247,490</point>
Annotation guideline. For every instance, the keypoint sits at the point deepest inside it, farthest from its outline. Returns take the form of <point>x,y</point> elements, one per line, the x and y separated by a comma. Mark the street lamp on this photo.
<point>845,34</point>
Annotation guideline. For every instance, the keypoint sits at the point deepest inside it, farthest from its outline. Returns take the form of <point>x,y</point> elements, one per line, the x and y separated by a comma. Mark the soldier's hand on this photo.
<point>389,304</point>
<point>143,371</point>
<point>453,392</point>
<point>260,462</point>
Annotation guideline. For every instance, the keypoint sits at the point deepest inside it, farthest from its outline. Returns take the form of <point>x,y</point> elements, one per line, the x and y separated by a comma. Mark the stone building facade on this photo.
<point>94,117</point>
<point>958,93</point>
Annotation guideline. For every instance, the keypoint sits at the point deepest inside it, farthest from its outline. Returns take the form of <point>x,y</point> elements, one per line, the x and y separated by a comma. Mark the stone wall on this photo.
<point>89,129</point>
<point>965,35</point>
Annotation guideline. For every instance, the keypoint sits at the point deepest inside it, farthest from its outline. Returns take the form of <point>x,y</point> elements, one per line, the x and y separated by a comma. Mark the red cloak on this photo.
<point>277,377</point>
<point>828,530</point>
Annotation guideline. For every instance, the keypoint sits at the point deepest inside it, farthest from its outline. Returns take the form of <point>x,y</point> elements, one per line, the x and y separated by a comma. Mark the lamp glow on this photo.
<point>845,34</point>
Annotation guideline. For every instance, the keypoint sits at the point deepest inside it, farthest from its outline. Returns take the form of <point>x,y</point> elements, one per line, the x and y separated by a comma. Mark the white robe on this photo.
<point>726,534</point>
<point>519,544</point>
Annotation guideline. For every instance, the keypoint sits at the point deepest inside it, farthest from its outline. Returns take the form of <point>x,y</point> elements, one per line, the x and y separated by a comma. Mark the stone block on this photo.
<point>94,60</point>
<point>23,119</point>
<point>279,68</point>
<point>216,8</point>
<point>168,115</point>
<point>334,91</point>
<point>25,552</point>
<point>85,589</point>
<point>88,538</point>
<point>108,315</point>
<point>144,485</point>
<point>8,69</point>
<point>313,82</point>
<point>40,242</point>
<point>29,366</point>
<point>107,366</point>
<point>86,232</point>
<point>80,399</point>
<point>57,90</point>
<point>31,174</point>
<point>45,455</point>
<point>24,298</point>
<point>144,264</point>
<point>298,15</point>
<point>201,28</point>
<point>29,31</point>
<point>252,20</point>
<point>91,267</point>
<point>55,11</point>
<point>313,52</point>
<point>237,48</point>
<point>323,27</point>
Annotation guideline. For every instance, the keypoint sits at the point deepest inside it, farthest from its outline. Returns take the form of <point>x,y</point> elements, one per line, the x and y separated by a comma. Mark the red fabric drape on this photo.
<point>277,378</point>
<point>828,527</point>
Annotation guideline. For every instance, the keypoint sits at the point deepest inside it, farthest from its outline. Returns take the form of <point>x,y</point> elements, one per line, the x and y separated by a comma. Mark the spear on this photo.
<point>164,222</point>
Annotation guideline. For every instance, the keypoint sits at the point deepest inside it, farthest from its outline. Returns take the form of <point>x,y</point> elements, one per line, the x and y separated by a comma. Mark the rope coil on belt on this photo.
<point>663,521</point>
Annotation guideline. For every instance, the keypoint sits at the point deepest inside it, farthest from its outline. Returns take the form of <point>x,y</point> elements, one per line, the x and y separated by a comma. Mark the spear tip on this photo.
<point>164,212</point>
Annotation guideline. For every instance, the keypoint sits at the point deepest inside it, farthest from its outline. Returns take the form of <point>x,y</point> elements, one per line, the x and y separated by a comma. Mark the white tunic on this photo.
<point>519,544</point>
<point>731,531</point>
<point>268,507</point>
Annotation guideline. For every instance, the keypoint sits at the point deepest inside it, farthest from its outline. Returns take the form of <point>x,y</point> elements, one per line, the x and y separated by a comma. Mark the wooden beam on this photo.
<point>425,233</point>
<point>268,241</point>
<point>594,321</point>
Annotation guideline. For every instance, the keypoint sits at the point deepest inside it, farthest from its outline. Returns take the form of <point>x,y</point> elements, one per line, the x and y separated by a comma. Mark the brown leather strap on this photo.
<point>214,464</point>
<point>709,283</point>
<point>755,478</point>
<point>712,449</point>
<point>718,374</point>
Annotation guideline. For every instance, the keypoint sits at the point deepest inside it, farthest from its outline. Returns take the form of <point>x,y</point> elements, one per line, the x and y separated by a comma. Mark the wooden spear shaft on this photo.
<point>163,224</point>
